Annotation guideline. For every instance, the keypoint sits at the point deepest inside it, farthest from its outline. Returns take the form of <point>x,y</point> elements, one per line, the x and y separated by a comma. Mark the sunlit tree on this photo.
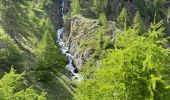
<point>138,68</point>
<point>10,53</point>
<point>48,57</point>
<point>138,23</point>
<point>10,88</point>
<point>75,5</point>
<point>122,18</point>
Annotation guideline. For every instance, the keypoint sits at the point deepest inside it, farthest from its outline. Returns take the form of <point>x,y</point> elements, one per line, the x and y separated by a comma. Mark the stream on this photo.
<point>70,67</point>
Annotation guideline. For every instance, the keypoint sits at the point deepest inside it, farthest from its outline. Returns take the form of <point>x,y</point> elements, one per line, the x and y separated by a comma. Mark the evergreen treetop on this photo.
<point>138,23</point>
<point>10,88</point>
<point>138,68</point>
<point>122,18</point>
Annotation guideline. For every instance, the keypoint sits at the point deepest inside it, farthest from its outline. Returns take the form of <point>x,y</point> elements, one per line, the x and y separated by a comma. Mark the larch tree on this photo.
<point>75,5</point>
<point>10,53</point>
<point>48,57</point>
<point>10,88</point>
<point>103,20</point>
<point>138,68</point>
<point>99,6</point>
<point>138,23</point>
<point>122,18</point>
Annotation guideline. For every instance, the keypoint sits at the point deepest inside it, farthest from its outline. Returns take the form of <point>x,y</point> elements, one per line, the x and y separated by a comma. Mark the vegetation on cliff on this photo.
<point>137,68</point>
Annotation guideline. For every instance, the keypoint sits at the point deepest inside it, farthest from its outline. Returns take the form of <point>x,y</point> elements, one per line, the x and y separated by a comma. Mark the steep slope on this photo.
<point>27,29</point>
<point>112,63</point>
<point>82,37</point>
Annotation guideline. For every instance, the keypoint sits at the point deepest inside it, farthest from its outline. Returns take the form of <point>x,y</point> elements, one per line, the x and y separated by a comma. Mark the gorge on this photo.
<point>65,49</point>
<point>84,50</point>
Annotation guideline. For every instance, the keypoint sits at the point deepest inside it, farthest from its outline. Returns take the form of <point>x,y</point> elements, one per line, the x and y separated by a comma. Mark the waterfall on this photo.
<point>70,67</point>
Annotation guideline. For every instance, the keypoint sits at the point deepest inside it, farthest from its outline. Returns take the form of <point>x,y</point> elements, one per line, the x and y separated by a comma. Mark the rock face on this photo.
<point>54,12</point>
<point>81,36</point>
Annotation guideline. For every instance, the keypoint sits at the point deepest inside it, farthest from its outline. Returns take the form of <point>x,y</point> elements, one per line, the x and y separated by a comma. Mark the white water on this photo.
<point>65,49</point>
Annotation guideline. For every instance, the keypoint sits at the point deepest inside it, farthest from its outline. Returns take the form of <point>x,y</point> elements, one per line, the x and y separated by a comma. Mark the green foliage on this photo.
<point>138,23</point>
<point>75,5</point>
<point>108,43</point>
<point>48,57</point>
<point>10,88</point>
<point>26,22</point>
<point>99,6</point>
<point>156,6</point>
<point>103,40</point>
<point>23,17</point>
<point>122,18</point>
<point>103,20</point>
<point>93,8</point>
<point>148,8</point>
<point>45,25</point>
<point>137,69</point>
<point>10,53</point>
<point>100,40</point>
<point>43,3</point>
<point>142,7</point>
<point>13,15</point>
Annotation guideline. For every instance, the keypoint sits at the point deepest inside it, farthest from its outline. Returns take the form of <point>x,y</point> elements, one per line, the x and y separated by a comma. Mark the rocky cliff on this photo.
<point>54,12</point>
<point>81,36</point>
<point>81,32</point>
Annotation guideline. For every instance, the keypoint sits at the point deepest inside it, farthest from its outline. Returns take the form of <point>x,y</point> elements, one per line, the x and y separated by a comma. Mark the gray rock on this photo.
<point>80,36</point>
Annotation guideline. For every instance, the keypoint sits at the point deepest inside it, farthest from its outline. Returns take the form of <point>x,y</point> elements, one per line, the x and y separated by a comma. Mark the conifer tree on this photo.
<point>75,5</point>
<point>137,68</point>
<point>138,23</point>
<point>22,16</point>
<point>14,15</point>
<point>99,6</point>
<point>122,18</point>
<point>10,88</point>
<point>48,57</point>
<point>10,53</point>
<point>103,20</point>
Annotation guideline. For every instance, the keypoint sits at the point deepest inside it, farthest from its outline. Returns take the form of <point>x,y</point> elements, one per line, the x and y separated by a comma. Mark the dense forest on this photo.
<point>84,49</point>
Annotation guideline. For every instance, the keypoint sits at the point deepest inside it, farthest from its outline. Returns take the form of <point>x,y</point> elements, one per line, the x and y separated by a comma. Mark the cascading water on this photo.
<point>65,50</point>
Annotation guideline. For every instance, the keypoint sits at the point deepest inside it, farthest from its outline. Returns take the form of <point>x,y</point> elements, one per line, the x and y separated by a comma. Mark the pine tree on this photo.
<point>10,88</point>
<point>14,15</point>
<point>48,57</point>
<point>22,16</point>
<point>75,5</point>
<point>138,23</point>
<point>99,6</point>
<point>137,68</point>
<point>103,20</point>
<point>122,18</point>
<point>10,53</point>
